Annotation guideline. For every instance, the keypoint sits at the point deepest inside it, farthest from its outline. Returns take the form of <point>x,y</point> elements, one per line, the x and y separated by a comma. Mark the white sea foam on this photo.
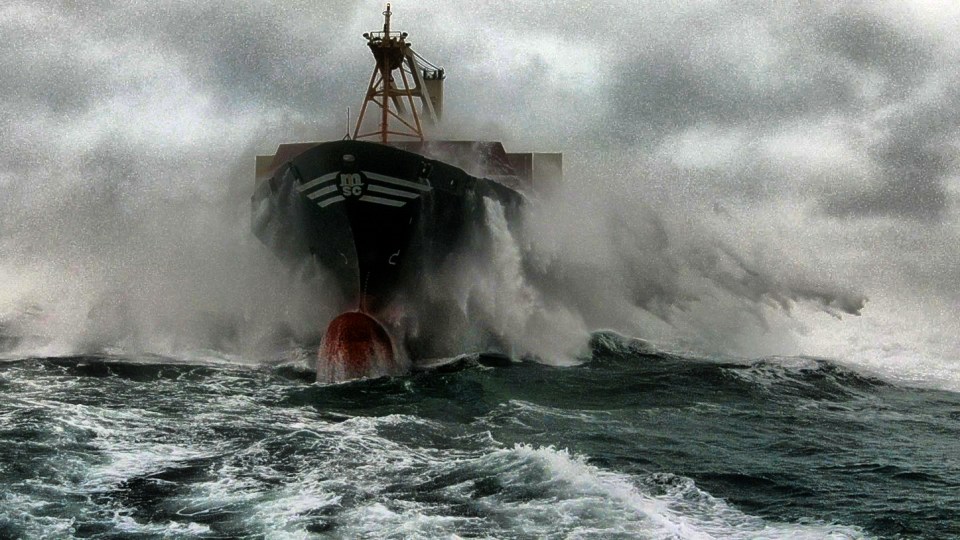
<point>289,473</point>
<point>369,485</point>
<point>580,500</point>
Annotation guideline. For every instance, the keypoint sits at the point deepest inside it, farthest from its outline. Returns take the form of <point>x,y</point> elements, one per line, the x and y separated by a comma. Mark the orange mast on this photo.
<point>392,53</point>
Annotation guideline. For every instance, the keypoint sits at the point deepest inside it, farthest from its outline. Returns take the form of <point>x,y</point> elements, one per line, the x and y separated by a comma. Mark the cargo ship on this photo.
<point>383,210</point>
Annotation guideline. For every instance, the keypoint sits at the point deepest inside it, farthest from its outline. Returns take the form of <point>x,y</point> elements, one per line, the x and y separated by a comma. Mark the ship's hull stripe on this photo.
<point>366,198</point>
<point>381,200</point>
<point>321,192</point>
<point>327,202</point>
<point>317,181</point>
<point>389,191</point>
<point>396,181</point>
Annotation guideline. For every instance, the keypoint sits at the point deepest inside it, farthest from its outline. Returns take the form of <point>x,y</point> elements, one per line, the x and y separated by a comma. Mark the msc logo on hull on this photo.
<point>365,187</point>
<point>351,185</point>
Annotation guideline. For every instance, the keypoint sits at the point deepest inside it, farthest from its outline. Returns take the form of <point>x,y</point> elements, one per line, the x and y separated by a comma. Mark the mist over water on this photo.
<point>155,259</point>
<point>160,259</point>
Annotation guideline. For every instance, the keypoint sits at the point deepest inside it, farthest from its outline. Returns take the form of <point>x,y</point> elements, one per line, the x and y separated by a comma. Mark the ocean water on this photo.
<point>632,443</point>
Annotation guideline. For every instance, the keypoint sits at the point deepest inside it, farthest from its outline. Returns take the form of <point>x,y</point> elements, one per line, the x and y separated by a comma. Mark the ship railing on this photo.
<point>381,35</point>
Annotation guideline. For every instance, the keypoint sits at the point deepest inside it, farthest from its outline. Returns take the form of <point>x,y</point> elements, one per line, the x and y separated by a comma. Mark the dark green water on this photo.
<point>631,444</point>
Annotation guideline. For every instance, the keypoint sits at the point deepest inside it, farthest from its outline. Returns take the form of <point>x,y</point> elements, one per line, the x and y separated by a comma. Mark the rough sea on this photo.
<point>632,443</point>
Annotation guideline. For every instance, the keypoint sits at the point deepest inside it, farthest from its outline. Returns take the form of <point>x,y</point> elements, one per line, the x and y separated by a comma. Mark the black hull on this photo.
<point>380,219</point>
